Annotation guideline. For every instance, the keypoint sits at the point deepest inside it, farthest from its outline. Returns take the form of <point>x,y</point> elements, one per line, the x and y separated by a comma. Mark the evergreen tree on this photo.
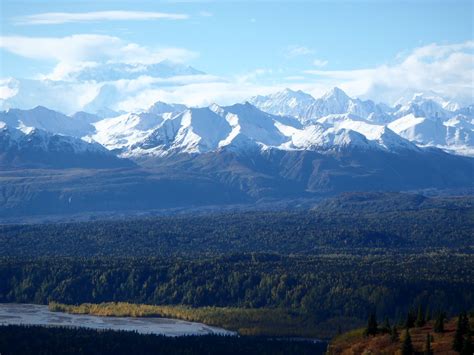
<point>458,340</point>
<point>428,313</point>
<point>420,318</point>
<point>371,324</point>
<point>386,326</point>
<point>467,348</point>
<point>410,320</point>
<point>394,337</point>
<point>465,323</point>
<point>428,350</point>
<point>439,323</point>
<point>401,322</point>
<point>407,346</point>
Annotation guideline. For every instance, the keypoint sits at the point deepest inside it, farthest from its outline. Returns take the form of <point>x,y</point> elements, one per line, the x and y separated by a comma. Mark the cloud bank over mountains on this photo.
<point>94,71</point>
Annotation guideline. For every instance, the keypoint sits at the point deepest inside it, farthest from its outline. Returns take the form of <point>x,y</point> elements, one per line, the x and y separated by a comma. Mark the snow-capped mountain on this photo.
<point>47,120</point>
<point>421,107</point>
<point>337,101</point>
<point>332,122</point>
<point>284,103</point>
<point>427,121</point>
<point>307,108</point>
<point>162,108</point>
<point>243,127</point>
<point>175,156</point>
<point>27,146</point>
<point>455,134</point>
<point>199,130</point>
<point>123,131</point>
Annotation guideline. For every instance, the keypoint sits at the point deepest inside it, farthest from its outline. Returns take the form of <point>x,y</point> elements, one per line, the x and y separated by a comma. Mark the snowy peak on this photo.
<point>336,95</point>
<point>199,130</point>
<point>451,135</point>
<point>34,138</point>
<point>243,126</point>
<point>332,122</point>
<point>421,107</point>
<point>286,102</point>
<point>48,120</point>
<point>308,109</point>
<point>38,148</point>
<point>316,137</point>
<point>161,108</point>
<point>425,119</point>
<point>125,130</point>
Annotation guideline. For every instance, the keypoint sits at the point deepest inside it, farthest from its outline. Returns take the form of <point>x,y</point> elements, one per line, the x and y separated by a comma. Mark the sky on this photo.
<point>371,49</point>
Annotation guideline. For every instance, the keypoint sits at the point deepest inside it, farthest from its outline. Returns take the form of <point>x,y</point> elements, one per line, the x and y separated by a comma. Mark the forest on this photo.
<point>329,290</point>
<point>307,273</point>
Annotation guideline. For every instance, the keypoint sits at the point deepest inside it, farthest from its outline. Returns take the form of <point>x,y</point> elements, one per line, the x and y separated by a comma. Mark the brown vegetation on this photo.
<point>246,321</point>
<point>354,343</point>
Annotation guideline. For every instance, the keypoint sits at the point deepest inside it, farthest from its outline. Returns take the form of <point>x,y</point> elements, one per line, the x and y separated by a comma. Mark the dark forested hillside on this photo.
<point>353,221</point>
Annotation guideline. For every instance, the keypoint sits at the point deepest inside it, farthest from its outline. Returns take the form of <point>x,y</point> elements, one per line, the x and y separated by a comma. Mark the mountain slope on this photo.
<point>433,132</point>
<point>48,120</point>
<point>244,127</point>
<point>227,178</point>
<point>284,103</point>
<point>30,147</point>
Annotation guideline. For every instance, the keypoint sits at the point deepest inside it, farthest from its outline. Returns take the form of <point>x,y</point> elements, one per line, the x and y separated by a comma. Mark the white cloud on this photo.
<point>297,51</point>
<point>195,94</point>
<point>445,69</point>
<point>8,88</point>
<point>54,18</point>
<point>320,62</point>
<point>89,47</point>
<point>75,52</point>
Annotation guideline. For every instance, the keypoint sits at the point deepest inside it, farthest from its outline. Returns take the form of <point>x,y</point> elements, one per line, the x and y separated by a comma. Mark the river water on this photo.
<point>32,314</point>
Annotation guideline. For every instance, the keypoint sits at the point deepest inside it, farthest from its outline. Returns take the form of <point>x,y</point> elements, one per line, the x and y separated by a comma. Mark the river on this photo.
<point>32,314</point>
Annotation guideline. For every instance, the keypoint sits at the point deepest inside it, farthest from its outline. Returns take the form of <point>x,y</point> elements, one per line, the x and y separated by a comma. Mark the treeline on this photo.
<point>356,221</point>
<point>323,287</point>
<point>49,340</point>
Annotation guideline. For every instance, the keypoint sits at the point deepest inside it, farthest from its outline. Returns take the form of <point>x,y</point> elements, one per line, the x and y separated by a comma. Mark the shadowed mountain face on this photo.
<point>226,178</point>
<point>282,174</point>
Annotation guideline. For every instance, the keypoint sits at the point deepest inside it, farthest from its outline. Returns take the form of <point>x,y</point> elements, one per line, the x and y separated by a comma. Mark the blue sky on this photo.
<point>285,43</point>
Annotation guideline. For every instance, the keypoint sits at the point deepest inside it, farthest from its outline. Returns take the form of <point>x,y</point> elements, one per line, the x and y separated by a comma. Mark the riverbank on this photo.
<point>40,315</point>
<point>245,321</point>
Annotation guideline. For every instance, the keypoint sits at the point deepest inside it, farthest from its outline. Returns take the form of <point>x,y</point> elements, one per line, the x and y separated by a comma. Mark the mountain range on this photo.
<point>287,145</point>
